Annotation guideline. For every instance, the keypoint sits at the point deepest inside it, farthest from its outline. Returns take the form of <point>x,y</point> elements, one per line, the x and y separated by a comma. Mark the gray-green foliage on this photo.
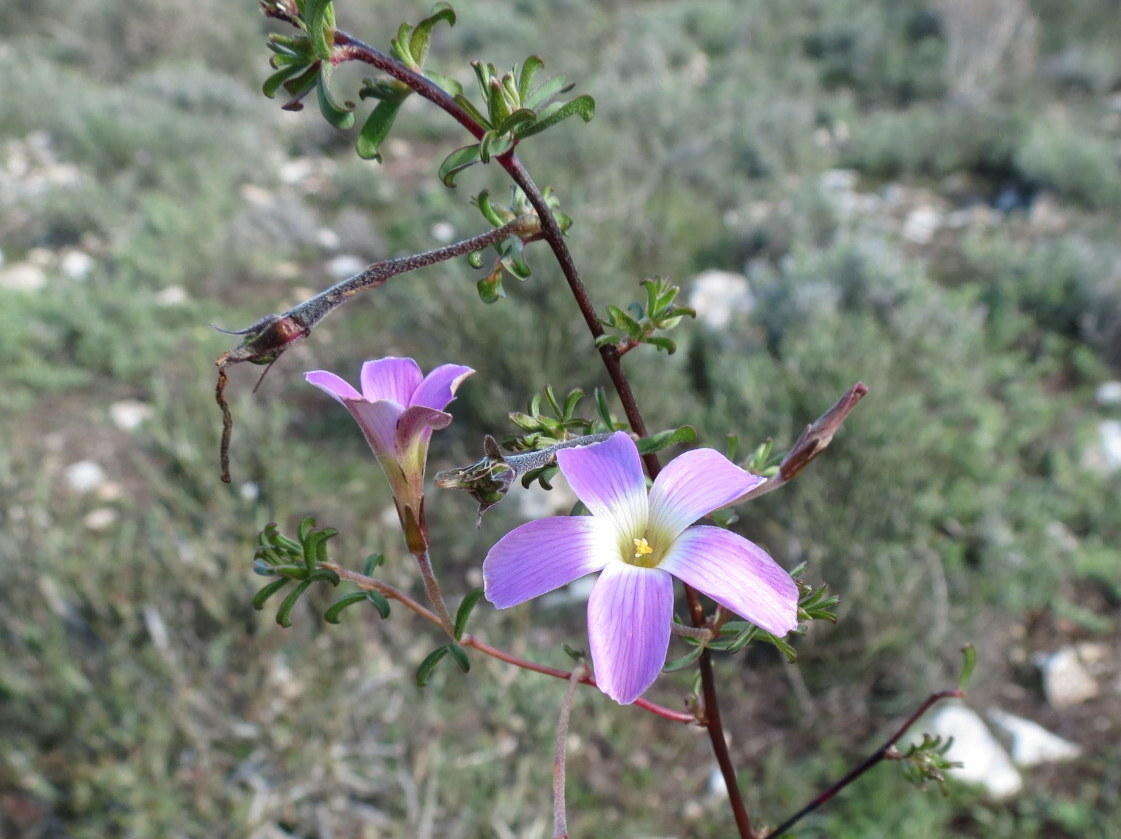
<point>140,694</point>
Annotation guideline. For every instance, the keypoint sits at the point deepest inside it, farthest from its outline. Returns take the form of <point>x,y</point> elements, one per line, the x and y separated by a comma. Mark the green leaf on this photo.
<point>376,128</point>
<point>272,83</point>
<point>475,259</point>
<point>300,86</point>
<point>471,110</point>
<point>456,162</point>
<point>332,615</point>
<point>304,529</point>
<point>518,117</point>
<point>340,116</point>
<point>418,44</point>
<point>380,602</point>
<point>487,208</point>
<point>463,613</point>
<point>684,661</point>
<point>319,15</point>
<point>459,656</point>
<point>494,144</point>
<point>547,90</point>
<point>968,663</point>
<point>268,591</point>
<point>426,668</point>
<point>382,89</point>
<point>665,439</point>
<point>582,106</point>
<point>373,561</point>
<point>284,613</point>
<point>570,403</point>
<point>603,410</point>
<point>662,343</point>
<point>399,46</point>
<point>525,79</point>
<point>450,85</point>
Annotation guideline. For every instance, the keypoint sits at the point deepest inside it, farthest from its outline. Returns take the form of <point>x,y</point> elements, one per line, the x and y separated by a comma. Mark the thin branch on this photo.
<point>265,339</point>
<point>560,818</point>
<point>435,596</point>
<point>882,753</point>
<point>370,584</point>
<point>697,633</point>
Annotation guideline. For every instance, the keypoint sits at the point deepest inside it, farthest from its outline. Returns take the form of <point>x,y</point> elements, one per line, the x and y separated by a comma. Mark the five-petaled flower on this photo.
<point>397,410</point>
<point>640,541</point>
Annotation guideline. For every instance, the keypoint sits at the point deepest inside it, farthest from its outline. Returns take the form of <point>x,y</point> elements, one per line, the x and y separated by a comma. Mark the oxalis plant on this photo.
<point>637,522</point>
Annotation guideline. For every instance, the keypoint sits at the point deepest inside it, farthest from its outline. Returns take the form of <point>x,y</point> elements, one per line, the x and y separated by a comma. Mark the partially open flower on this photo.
<point>397,410</point>
<point>640,541</point>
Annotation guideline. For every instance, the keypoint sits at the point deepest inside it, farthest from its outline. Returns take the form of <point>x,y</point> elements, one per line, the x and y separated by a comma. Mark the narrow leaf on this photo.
<point>459,656</point>
<point>684,661</point>
<point>547,90</point>
<point>380,602</point>
<point>582,106</point>
<point>284,613</point>
<point>424,671</point>
<point>418,44</point>
<point>334,611</point>
<point>340,116</point>
<point>272,83</point>
<point>456,162</point>
<point>968,663</point>
<point>463,613</point>
<point>268,591</point>
<point>525,79</point>
<point>376,128</point>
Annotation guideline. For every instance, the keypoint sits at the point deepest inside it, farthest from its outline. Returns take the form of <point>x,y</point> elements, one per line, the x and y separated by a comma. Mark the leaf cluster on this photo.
<point>300,562</point>
<point>452,650</point>
<point>926,761</point>
<point>510,258</point>
<point>640,322</point>
<point>515,106</point>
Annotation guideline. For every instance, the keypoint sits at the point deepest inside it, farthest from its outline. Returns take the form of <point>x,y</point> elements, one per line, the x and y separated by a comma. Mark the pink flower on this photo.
<point>397,410</point>
<point>640,541</point>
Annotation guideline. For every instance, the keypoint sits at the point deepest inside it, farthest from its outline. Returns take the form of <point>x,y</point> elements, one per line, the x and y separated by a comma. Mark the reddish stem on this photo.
<point>880,754</point>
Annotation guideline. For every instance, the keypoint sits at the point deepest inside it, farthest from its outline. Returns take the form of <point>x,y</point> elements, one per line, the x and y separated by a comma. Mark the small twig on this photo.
<point>812,442</point>
<point>560,818</point>
<point>369,583</point>
<point>882,753</point>
<point>227,419</point>
<point>435,595</point>
<point>697,633</point>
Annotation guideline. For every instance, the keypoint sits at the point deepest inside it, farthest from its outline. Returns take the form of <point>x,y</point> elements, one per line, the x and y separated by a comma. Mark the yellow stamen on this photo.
<point>642,548</point>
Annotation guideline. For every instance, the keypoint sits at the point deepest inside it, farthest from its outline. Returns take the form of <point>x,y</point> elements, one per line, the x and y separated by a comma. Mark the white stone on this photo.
<point>249,491</point>
<point>1108,393</point>
<point>129,414</point>
<point>256,195</point>
<point>1030,743</point>
<point>838,180</point>
<point>1066,681</point>
<point>22,276</point>
<point>1109,446</point>
<point>172,295</point>
<point>921,224</point>
<point>718,296</point>
<point>984,762</point>
<point>295,170</point>
<point>100,519</point>
<point>327,239</point>
<point>76,265</point>
<point>84,476</point>
<point>345,265</point>
<point>442,231</point>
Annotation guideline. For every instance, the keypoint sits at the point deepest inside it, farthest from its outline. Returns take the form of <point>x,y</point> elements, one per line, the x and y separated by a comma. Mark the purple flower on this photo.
<point>640,541</point>
<point>397,410</point>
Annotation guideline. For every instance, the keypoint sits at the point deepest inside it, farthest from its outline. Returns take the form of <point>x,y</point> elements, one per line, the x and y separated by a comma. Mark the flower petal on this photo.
<point>693,485</point>
<point>439,386</point>
<point>608,478</point>
<point>378,421</point>
<point>417,420</point>
<point>331,384</point>
<point>737,574</point>
<point>390,378</point>
<point>629,614</point>
<point>543,555</point>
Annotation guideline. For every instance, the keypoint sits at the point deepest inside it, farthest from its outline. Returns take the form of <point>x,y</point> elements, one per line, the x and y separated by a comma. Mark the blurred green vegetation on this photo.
<point>951,242</point>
